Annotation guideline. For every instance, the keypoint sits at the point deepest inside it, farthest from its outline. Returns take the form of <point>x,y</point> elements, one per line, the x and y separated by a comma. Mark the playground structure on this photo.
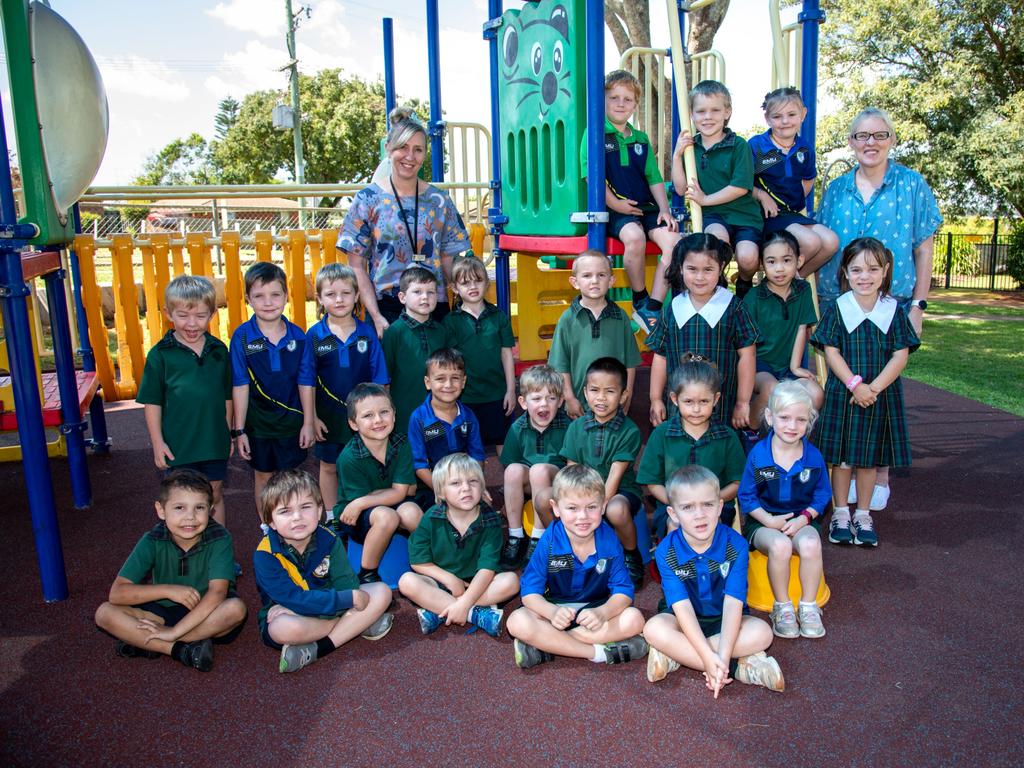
<point>539,209</point>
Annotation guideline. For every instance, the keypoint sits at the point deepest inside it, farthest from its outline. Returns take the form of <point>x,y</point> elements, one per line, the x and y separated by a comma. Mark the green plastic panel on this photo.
<point>543,116</point>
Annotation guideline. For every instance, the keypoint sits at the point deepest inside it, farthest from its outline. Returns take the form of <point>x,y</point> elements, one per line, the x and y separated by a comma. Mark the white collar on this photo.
<point>881,315</point>
<point>683,309</point>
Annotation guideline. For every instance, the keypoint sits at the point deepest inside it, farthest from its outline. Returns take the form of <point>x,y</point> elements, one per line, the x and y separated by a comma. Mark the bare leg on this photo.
<point>578,642</point>
<point>329,484</point>
<point>259,482</point>
<point>747,258</point>
<point>807,544</point>
<point>219,513</point>
<point>619,517</point>
<point>779,549</point>
<point>764,383</point>
<point>383,523</point>
<point>665,240</point>
<point>541,478</point>
<point>122,622</point>
<point>516,478</point>
<point>662,632</point>
<point>634,245</point>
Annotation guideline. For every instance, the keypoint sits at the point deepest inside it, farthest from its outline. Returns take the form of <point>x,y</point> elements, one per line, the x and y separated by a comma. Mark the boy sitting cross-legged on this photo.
<point>175,593</point>
<point>531,456</point>
<point>375,478</point>
<point>577,595</point>
<point>312,602</point>
<point>703,566</point>
<point>454,553</point>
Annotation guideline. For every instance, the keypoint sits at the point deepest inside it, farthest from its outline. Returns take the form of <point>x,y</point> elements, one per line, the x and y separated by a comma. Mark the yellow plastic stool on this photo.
<point>528,517</point>
<point>759,591</point>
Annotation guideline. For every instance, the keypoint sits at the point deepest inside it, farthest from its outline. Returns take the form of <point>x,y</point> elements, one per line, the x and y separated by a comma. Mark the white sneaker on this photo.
<point>879,498</point>
<point>760,669</point>
<point>659,665</point>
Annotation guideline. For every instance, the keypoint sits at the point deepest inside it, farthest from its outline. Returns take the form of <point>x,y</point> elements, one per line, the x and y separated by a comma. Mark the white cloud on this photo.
<point>262,17</point>
<point>138,76</point>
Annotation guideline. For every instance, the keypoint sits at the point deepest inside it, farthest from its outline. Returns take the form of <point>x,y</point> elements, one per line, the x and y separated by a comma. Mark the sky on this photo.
<point>166,65</point>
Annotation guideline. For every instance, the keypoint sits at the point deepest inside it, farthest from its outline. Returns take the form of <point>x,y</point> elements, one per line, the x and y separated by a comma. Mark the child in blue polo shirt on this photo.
<point>346,352</point>
<point>701,622</point>
<point>784,173</point>
<point>273,377</point>
<point>783,495</point>
<point>577,594</point>
<point>442,425</point>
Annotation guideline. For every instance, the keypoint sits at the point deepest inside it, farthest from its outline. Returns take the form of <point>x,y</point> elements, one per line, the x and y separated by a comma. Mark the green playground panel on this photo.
<point>543,114</point>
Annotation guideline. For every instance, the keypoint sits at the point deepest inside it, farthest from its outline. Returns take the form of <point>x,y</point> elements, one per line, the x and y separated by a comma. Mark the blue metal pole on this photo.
<point>434,69</point>
<point>74,426</point>
<point>595,124</point>
<point>810,17</point>
<point>389,68</point>
<point>497,220</point>
<point>35,463</point>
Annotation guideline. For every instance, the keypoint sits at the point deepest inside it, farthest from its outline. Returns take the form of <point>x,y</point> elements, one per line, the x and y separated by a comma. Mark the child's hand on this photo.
<point>741,415</point>
<point>276,611</point>
<point>307,436</point>
<point>360,599</point>
<point>778,522</point>
<point>321,430</point>
<point>155,631</point>
<point>802,373</point>
<point>794,524</point>
<point>350,514</point>
<point>183,595</point>
<point>685,140</point>
<point>573,407</point>
<point>563,617</point>
<point>509,402</point>
<point>590,619</point>
<point>716,672</point>
<point>768,205</point>
<point>666,218</point>
<point>623,206</point>
<point>242,442</point>
<point>457,612</point>
<point>657,411</point>
<point>695,193</point>
<point>161,455</point>
<point>863,395</point>
<point>380,324</point>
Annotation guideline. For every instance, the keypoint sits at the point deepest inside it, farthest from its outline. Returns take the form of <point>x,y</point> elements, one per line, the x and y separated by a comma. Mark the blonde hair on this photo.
<point>455,464</point>
<point>577,478</point>
<point>190,290</point>
<point>708,88</point>
<point>540,377</point>
<point>283,486</point>
<point>781,96</point>
<point>404,125</point>
<point>328,273</point>
<point>590,253</point>
<point>787,393</point>
<point>870,112</point>
<point>688,477</point>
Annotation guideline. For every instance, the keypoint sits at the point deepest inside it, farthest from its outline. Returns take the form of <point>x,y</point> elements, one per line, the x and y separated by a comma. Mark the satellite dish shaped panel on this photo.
<point>74,118</point>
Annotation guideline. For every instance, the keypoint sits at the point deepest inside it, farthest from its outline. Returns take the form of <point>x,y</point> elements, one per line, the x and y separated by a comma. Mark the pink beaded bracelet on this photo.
<point>854,382</point>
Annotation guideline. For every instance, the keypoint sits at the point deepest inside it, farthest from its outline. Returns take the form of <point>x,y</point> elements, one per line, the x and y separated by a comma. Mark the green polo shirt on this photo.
<point>360,474</point>
<point>651,170</point>
<point>600,445</point>
<point>729,163</point>
<point>407,345</point>
<point>157,559</point>
<point>580,339</point>
<point>192,391</point>
<point>670,447</point>
<point>779,320</point>
<point>525,445</point>
<point>436,541</point>
<point>480,340</point>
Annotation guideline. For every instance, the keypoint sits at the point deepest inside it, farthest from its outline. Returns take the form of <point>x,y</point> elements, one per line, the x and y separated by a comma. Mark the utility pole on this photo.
<point>293,65</point>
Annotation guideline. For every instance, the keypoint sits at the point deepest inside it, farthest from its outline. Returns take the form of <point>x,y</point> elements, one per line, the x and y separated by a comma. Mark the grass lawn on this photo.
<point>979,359</point>
<point>957,308</point>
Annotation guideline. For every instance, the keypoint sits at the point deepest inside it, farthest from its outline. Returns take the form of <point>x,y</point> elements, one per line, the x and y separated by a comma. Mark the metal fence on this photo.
<point>973,261</point>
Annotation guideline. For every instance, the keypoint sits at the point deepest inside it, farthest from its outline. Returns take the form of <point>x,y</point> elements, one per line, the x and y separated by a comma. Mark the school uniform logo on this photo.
<point>558,563</point>
<point>255,347</point>
<point>801,155</point>
<point>291,345</point>
<point>805,475</point>
<point>724,568</point>
<point>638,149</point>
<point>766,474</point>
<point>433,432</point>
<point>602,564</point>
<point>362,344</point>
<point>326,347</point>
<point>463,429</point>
<point>609,146</point>
<point>324,568</point>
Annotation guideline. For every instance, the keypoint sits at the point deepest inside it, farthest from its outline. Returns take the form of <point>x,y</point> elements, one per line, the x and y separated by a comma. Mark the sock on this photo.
<point>600,657</point>
<point>324,646</point>
<point>639,296</point>
<point>516,533</point>
<point>537,532</point>
<point>782,605</point>
<point>812,604</point>
<point>733,664</point>
<point>177,649</point>
<point>653,304</point>
<point>862,512</point>
<point>841,513</point>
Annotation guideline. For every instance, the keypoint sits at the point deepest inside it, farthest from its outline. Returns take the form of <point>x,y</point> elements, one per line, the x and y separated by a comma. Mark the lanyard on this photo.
<point>413,242</point>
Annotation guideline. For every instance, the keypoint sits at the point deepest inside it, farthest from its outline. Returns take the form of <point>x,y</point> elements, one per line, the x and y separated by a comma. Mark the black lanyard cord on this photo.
<point>413,241</point>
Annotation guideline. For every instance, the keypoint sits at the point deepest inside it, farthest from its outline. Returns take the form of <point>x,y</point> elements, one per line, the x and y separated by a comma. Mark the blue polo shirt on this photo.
<point>555,572</point>
<point>706,578</point>
<point>340,365</point>
<point>274,373</point>
<point>432,438</point>
<point>781,174</point>
<point>765,484</point>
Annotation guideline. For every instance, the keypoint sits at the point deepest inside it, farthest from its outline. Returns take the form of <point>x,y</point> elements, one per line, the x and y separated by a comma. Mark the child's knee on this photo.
<point>235,609</point>
<point>540,477</point>
<point>520,622</point>
<point>718,231</point>
<point>746,255</point>
<point>505,584</point>
<point>808,544</point>
<point>632,236</point>
<point>632,621</point>
<point>384,517</point>
<point>780,548</point>
<point>408,583</point>
<point>380,593</point>
<point>658,627</point>
<point>104,615</point>
<point>617,511</point>
<point>516,474</point>
<point>409,515</point>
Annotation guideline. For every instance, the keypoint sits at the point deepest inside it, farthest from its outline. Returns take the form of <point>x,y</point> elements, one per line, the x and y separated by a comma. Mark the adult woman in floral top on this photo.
<point>387,216</point>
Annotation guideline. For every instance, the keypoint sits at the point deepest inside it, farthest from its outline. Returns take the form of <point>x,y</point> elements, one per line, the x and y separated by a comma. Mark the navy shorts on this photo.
<point>786,219</point>
<point>358,531</point>
<point>736,234</point>
<point>172,614</point>
<point>327,452</point>
<point>580,607</point>
<point>781,374</point>
<point>214,471</point>
<point>616,221</point>
<point>494,423</point>
<point>271,454</point>
<point>709,625</point>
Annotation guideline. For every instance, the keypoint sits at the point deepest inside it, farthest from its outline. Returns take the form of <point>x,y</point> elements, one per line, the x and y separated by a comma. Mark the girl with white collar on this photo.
<point>867,338</point>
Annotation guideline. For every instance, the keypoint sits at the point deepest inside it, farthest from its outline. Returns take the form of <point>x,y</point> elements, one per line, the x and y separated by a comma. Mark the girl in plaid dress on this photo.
<point>704,319</point>
<point>867,338</point>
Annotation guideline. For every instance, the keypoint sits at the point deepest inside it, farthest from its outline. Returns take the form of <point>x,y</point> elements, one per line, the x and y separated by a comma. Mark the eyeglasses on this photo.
<point>863,136</point>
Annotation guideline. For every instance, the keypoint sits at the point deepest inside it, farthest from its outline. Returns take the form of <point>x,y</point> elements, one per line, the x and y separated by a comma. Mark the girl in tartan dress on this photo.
<point>867,338</point>
<point>704,319</point>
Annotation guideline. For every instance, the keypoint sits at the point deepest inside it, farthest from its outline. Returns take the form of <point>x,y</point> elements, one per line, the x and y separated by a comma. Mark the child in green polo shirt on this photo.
<point>725,178</point>
<point>454,553</point>
<point>607,440</point>
<point>590,328</point>
<point>186,388</point>
<point>175,595</point>
<point>532,458</point>
<point>410,340</point>
<point>782,307</point>
<point>483,334</point>
<point>376,478</point>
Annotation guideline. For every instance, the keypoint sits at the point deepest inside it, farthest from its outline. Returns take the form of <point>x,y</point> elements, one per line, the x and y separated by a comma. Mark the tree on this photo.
<point>951,75</point>
<point>227,116</point>
<point>183,161</point>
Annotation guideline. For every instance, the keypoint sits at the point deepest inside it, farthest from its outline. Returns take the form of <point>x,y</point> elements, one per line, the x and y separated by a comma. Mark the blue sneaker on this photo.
<point>645,317</point>
<point>488,619</point>
<point>429,621</point>
<point>864,530</point>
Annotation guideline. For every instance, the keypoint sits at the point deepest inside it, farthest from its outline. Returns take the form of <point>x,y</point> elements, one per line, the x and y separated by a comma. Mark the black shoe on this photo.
<point>530,549</point>
<point>128,651</point>
<point>198,655</point>
<point>626,650</point>
<point>743,287</point>
<point>369,576</point>
<point>512,553</point>
<point>635,566</point>
<point>527,656</point>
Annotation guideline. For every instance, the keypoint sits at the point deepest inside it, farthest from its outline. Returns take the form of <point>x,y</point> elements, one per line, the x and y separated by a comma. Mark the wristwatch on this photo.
<point>920,304</point>
<point>237,433</point>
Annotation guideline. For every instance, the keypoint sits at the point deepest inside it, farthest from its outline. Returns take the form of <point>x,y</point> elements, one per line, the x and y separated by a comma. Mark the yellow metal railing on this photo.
<point>787,49</point>
<point>469,169</point>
